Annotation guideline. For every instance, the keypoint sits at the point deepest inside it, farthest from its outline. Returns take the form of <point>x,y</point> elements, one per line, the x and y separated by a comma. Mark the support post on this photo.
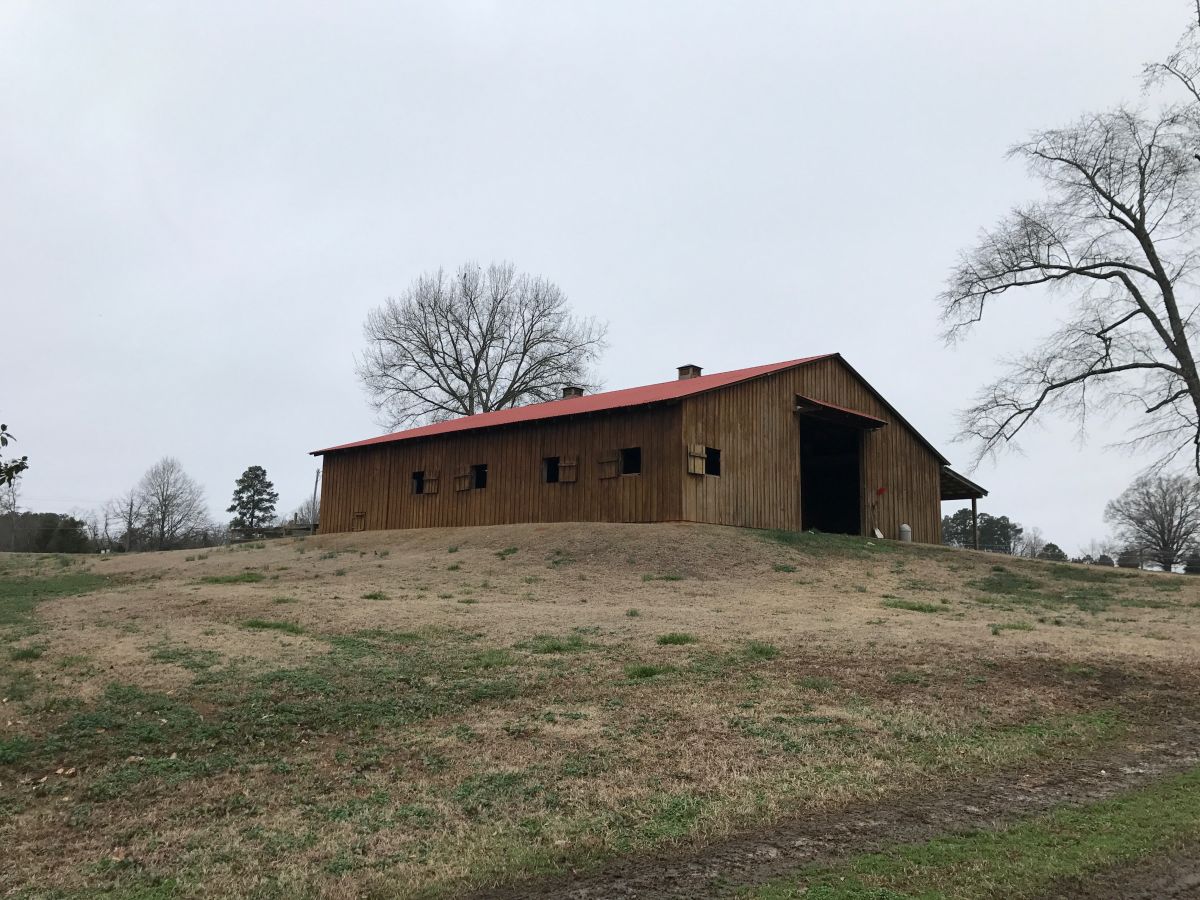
<point>312,510</point>
<point>975,522</point>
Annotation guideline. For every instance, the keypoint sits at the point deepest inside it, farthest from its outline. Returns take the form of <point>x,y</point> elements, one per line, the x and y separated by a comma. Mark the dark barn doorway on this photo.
<point>830,481</point>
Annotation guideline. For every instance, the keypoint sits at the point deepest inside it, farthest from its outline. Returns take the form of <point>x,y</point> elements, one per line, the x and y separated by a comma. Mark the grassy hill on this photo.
<point>432,712</point>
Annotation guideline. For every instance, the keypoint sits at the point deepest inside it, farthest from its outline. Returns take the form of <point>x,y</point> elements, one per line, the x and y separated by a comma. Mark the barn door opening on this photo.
<point>830,488</point>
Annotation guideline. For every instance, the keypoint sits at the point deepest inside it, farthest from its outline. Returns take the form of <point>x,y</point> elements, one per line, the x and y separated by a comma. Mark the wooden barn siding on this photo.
<point>756,430</point>
<point>377,480</point>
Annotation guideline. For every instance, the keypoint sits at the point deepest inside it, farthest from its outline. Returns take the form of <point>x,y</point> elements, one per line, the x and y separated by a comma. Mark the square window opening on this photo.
<point>418,482</point>
<point>550,469</point>
<point>631,460</point>
<point>712,461</point>
<point>479,476</point>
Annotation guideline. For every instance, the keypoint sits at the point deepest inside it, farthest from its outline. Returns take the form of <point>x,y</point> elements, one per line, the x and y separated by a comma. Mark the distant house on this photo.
<point>804,444</point>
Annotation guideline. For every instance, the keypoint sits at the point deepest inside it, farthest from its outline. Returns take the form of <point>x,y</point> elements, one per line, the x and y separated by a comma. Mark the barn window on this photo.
<point>703,460</point>
<point>630,460</point>
<point>479,476</point>
<point>360,521</point>
<point>550,469</point>
<point>712,461</point>
<point>418,482</point>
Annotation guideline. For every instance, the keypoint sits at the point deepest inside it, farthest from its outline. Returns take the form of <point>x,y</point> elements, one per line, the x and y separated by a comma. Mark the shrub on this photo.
<point>1191,565</point>
<point>1129,558</point>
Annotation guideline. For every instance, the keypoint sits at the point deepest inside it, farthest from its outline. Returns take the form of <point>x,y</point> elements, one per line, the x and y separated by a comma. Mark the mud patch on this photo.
<point>1174,877</point>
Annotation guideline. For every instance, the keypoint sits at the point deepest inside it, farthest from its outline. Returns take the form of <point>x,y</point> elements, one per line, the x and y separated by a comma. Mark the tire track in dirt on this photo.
<point>1169,877</point>
<point>986,802</point>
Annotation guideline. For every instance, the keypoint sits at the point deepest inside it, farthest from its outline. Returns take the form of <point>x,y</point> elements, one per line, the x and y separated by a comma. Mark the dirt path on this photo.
<point>987,802</point>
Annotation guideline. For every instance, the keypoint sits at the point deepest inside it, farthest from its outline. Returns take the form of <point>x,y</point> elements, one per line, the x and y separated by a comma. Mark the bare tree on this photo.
<point>476,341</point>
<point>173,508</point>
<point>99,525</point>
<point>307,512</point>
<point>1032,543</point>
<point>127,510</point>
<point>1159,514</point>
<point>1116,234</point>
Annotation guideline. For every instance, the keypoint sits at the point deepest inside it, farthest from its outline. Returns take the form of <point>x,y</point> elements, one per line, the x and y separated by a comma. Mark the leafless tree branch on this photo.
<point>1115,234</point>
<point>475,341</point>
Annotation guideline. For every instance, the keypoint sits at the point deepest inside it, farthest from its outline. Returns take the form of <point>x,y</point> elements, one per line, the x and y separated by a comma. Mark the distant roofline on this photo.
<point>621,398</point>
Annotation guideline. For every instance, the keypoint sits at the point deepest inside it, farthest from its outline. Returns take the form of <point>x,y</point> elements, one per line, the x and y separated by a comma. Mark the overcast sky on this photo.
<point>199,203</point>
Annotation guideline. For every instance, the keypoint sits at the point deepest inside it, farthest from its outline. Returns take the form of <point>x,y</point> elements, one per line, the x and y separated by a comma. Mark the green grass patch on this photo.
<point>1093,574</point>
<point>269,625</point>
<point>506,552</point>
<point>20,594</point>
<point>1167,585</point>
<point>760,650</point>
<point>239,578</point>
<point>783,567</point>
<point>376,595</point>
<point>1004,581</point>
<point>907,677</point>
<point>1024,861</point>
<point>633,613</point>
<point>676,638</point>
<point>913,605</point>
<point>26,654</point>
<point>1010,589</point>
<point>190,658</point>
<point>548,643</point>
<point>14,750</point>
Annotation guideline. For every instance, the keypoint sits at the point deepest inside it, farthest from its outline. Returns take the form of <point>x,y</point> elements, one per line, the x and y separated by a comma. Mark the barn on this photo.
<point>802,444</point>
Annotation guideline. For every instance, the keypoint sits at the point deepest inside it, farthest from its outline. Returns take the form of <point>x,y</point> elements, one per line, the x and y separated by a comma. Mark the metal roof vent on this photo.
<point>689,371</point>
<point>572,390</point>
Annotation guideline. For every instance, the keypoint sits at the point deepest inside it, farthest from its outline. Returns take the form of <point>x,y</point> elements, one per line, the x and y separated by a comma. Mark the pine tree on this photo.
<point>254,499</point>
<point>1053,552</point>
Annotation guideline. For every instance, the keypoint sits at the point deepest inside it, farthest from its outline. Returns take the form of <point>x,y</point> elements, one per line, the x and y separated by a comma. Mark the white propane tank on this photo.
<point>906,534</point>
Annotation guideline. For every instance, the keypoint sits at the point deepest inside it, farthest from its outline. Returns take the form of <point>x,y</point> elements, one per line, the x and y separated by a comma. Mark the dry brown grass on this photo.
<point>421,743</point>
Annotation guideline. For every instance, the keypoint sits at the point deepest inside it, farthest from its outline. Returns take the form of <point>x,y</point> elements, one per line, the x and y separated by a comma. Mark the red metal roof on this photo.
<point>589,403</point>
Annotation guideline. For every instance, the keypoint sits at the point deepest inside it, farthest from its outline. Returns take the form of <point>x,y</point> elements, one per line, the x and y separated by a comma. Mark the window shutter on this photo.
<point>462,481</point>
<point>609,464</point>
<point>696,457</point>
<point>431,482</point>
<point>566,468</point>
